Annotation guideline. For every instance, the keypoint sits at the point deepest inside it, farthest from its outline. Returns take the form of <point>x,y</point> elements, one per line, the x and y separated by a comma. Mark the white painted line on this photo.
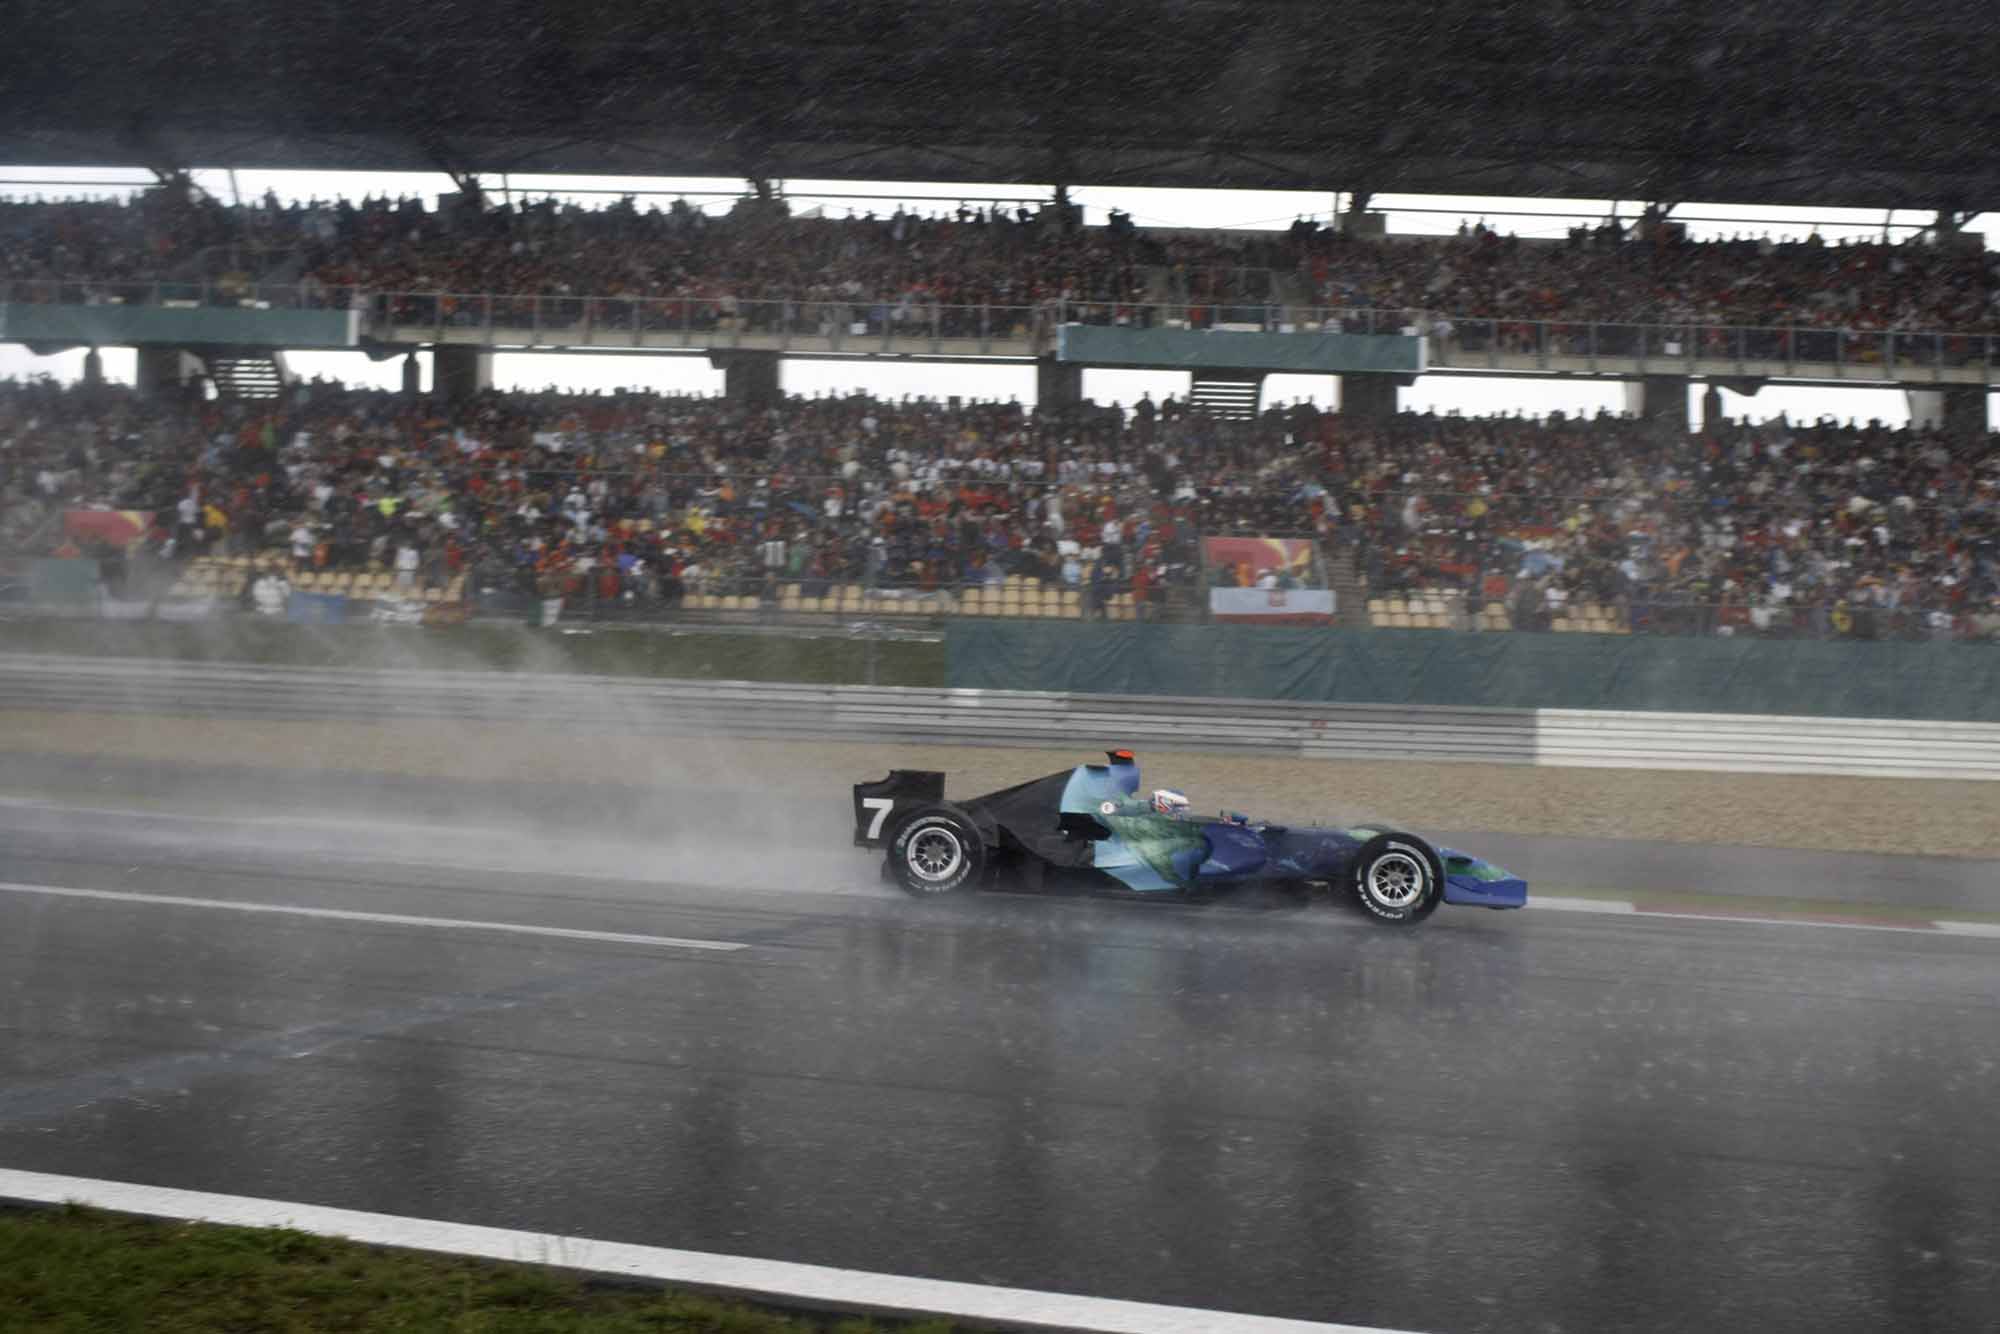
<point>775,1281</point>
<point>1969,928</point>
<point>1559,904</point>
<point>379,918</point>
<point>1614,906</point>
<point>1816,922</point>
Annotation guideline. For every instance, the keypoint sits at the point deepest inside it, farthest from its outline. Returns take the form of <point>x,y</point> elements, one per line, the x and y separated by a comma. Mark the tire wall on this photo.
<point>1843,679</point>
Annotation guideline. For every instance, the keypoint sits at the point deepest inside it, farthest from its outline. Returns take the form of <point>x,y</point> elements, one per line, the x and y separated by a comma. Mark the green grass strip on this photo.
<point>81,1271</point>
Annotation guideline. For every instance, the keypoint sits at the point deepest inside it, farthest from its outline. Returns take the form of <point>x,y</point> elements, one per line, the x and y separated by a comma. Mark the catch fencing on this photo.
<point>587,705</point>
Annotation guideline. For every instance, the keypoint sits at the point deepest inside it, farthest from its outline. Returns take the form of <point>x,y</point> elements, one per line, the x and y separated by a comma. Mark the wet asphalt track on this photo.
<point>1524,1121</point>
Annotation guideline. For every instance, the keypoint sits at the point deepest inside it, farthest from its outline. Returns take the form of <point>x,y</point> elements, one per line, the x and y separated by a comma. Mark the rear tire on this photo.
<point>1397,879</point>
<point>936,850</point>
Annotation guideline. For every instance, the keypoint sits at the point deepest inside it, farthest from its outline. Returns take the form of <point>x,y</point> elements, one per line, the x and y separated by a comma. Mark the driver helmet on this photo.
<point>1166,801</point>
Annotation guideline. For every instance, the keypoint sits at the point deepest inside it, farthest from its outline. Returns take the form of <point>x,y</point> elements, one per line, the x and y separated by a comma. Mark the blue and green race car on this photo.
<point>1088,828</point>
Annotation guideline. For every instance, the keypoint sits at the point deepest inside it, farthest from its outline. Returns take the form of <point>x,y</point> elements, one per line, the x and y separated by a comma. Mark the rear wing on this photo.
<point>877,805</point>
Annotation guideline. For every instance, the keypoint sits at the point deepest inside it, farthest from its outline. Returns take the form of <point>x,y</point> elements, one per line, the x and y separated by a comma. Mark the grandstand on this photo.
<point>1415,524</point>
<point>639,507</point>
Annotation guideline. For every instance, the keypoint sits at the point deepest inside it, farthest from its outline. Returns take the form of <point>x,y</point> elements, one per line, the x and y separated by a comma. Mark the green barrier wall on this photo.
<point>1938,681</point>
<point>71,583</point>
<point>1186,349</point>
<point>128,326</point>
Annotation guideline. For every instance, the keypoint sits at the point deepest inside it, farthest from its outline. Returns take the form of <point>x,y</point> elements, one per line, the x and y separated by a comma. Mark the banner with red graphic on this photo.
<point>1266,579</point>
<point>118,528</point>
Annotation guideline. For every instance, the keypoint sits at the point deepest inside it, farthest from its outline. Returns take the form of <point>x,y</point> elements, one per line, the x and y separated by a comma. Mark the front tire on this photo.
<point>1397,879</point>
<point>935,851</point>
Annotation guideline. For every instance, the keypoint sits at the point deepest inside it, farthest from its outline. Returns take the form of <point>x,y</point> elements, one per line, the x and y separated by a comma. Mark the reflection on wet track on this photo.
<point>1496,1122</point>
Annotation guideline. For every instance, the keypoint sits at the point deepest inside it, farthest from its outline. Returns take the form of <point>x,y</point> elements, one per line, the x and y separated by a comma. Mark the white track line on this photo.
<point>1620,908</point>
<point>1557,904</point>
<point>775,1281</point>
<point>1969,928</point>
<point>380,918</point>
<point>1816,923</point>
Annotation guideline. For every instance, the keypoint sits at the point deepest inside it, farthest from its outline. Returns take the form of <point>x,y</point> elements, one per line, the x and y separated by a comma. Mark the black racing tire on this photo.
<point>1396,879</point>
<point>936,850</point>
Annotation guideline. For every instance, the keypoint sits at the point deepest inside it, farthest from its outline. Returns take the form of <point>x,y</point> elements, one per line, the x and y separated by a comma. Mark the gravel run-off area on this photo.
<point>1959,818</point>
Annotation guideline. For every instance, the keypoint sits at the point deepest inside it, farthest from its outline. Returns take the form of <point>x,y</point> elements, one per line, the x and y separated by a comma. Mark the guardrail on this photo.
<point>1560,737</point>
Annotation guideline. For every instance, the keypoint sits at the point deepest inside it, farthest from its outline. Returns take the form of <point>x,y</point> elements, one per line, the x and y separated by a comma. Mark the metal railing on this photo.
<point>859,326</point>
<point>229,293</point>
<point>1298,729</point>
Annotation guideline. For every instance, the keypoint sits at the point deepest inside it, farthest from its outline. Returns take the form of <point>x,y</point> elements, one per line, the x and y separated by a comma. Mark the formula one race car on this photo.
<point>1086,827</point>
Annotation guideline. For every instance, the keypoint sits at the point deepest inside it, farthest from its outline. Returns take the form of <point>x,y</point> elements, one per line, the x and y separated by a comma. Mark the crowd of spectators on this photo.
<point>161,234</point>
<point>1615,277</point>
<point>934,269</point>
<point>631,501</point>
<point>624,501</point>
<point>1818,530</point>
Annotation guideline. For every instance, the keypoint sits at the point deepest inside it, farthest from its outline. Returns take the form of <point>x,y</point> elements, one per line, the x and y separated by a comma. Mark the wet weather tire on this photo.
<point>936,850</point>
<point>1397,879</point>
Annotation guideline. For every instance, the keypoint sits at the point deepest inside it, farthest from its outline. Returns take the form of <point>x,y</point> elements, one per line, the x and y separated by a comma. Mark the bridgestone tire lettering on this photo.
<point>1397,879</point>
<point>936,850</point>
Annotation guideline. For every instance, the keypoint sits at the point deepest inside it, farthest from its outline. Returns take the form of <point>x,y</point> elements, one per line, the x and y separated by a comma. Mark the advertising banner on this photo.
<point>1242,562</point>
<point>397,611</point>
<point>118,528</point>
<point>130,609</point>
<point>1276,606</point>
<point>316,608</point>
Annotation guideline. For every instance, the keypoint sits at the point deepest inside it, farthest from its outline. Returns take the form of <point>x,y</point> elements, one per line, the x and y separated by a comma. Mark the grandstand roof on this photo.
<point>1816,102</point>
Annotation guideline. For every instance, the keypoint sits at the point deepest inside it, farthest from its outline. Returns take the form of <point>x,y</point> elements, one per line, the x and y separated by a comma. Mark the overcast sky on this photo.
<point>1235,209</point>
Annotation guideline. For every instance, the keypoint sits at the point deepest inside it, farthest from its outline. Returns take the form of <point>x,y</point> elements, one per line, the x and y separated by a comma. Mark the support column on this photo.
<point>1058,384</point>
<point>748,377</point>
<point>1711,398</point>
<point>461,372</point>
<point>161,371</point>
<point>1373,226</point>
<point>1369,397</point>
<point>1965,410</point>
<point>1711,407</point>
<point>1659,398</point>
<point>1959,410</point>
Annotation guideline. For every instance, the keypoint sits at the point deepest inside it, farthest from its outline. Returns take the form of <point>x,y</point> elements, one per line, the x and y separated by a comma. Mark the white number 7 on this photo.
<point>881,806</point>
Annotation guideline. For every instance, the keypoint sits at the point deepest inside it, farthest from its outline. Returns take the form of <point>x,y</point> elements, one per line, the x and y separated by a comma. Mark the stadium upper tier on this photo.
<point>637,502</point>
<point>698,266</point>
